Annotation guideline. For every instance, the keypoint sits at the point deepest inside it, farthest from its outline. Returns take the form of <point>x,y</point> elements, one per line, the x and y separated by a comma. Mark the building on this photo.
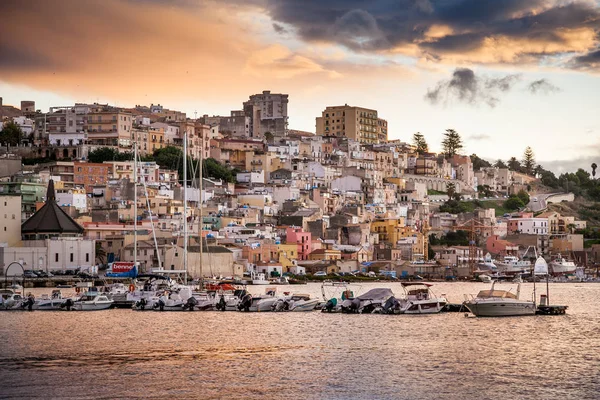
<point>51,240</point>
<point>236,125</point>
<point>31,189</point>
<point>109,126</point>
<point>90,174</point>
<point>267,112</point>
<point>10,219</point>
<point>356,123</point>
<point>76,198</point>
<point>528,225</point>
<point>62,126</point>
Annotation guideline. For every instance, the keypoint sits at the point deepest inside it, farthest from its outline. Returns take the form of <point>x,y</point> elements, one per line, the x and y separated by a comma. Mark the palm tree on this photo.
<point>100,253</point>
<point>594,166</point>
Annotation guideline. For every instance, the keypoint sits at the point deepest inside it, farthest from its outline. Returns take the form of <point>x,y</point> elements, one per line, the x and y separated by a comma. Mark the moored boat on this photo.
<point>561,266</point>
<point>92,301</point>
<point>419,299</point>
<point>499,303</point>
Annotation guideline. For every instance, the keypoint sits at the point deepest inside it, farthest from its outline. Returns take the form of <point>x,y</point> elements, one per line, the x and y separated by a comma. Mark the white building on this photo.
<point>72,197</point>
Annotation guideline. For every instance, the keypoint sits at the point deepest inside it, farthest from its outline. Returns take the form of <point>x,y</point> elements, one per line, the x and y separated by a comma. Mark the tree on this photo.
<point>450,190</point>
<point>11,134</point>
<point>484,190</point>
<point>500,164</point>
<point>513,203</point>
<point>479,163</point>
<point>269,137</point>
<point>214,169</point>
<point>514,164</point>
<point>528,161</point>
<point>420,143</point>
<point>452,143</point>
<point>169,157</point>
<point>524,196</point>
<point>100,253</point>
<point>108,154</point>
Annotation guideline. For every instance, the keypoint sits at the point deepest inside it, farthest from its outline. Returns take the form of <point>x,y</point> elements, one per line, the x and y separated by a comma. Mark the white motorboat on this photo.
<point>10,300</point>
<point>485,278</point>
<point>259,303</point>
<point>499,303</point>
<point>419,299</point>
<point>296,302</point>
<point>178,299</point>
<point>511,265</point>
<point>92,301</point>
<point>53,302</point>
<point>561,266</point>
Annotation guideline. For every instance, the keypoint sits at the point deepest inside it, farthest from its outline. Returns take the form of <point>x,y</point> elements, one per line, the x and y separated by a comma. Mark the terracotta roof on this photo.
<point>50,218</point>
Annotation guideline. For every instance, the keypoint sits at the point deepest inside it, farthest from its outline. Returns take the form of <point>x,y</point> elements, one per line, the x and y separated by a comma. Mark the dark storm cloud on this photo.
<point>19,57</point>
<point>369,25</point>
<point>590,60</point>
<point>466,87</point>
<point>542,86</point>
<point>279,29</point>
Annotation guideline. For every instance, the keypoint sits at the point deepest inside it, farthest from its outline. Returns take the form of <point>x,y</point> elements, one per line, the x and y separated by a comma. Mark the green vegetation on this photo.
<point>457,207</point>
<point>484,190</point>
<point>528,161</point>
<point>479,163</point>
<point>420,143</point>
<point>452,143</point>
<point>458,238</point>
<point>108,154</point>
<point>514,203</point>
<point>434,192</point>
<point>11,134</point>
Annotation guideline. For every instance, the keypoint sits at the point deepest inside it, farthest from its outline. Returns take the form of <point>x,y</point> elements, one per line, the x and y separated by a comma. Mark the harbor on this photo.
<point>333,355</point>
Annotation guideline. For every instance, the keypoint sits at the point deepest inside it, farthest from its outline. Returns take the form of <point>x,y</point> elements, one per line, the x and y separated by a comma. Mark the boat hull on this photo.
<point>563,269</point>
<point>501,308</point>
<point>91,306</point>
<point>424,307</point>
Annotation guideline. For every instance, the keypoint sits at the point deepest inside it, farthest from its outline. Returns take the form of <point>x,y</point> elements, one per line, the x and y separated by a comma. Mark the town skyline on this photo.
<point>527,78</point>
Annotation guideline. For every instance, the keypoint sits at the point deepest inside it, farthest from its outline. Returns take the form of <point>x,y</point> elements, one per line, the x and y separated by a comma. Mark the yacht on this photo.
<point>499,303</point>
<point>561,266</point>
<point>419,299</point>
<point>512,265</point>
<point>92,301</point>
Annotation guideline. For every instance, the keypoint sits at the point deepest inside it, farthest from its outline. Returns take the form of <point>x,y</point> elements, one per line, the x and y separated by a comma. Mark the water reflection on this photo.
<point>120,353</point>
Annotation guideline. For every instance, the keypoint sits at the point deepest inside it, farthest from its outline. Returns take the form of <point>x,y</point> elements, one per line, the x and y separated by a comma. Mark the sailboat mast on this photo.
<point>185,233</point>
<point>200,213</point>
<point>135,179</point>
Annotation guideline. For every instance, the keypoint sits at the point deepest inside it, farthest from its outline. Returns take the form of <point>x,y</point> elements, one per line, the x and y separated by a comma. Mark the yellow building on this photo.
<point>356,123</point>
<point>109,126</point>
<point>325,254</point>
<point>287,253</point>
<point>389,230</point>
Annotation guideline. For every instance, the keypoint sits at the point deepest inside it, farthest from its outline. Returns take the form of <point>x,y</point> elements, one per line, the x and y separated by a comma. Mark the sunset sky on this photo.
<point>504,73</point>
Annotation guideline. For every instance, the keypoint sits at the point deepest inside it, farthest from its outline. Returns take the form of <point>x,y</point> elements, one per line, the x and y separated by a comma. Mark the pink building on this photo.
<point>497,246</point>
<point>302,239</point>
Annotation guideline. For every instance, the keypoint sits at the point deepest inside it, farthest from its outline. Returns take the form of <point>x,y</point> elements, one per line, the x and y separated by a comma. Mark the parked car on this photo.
<point>41,274</point>
<point>320,273</point>
<point>29,274</point>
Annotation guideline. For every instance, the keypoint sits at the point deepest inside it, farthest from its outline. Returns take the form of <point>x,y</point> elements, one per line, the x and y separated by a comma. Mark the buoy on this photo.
<point>132,288</point>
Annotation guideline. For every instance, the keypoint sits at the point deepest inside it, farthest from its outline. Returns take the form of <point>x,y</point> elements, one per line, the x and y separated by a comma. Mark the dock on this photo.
<point>551,310</point>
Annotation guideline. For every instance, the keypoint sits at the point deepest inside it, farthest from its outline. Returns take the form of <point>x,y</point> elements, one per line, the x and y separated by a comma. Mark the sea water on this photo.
<point>234,355</point>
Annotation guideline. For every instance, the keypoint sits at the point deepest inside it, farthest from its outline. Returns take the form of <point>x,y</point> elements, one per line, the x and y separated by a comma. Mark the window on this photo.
<point>71,258</point>
<point>87,257</point>
<point>56,257</point>
<point>13,216</point>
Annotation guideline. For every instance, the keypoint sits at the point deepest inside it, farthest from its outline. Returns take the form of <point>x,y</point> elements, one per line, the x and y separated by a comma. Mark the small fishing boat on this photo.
<point>368,302</point>
<point>561,266</point>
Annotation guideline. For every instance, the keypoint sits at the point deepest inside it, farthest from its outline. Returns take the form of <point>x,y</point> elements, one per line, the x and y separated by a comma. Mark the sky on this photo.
<point>505,74</point>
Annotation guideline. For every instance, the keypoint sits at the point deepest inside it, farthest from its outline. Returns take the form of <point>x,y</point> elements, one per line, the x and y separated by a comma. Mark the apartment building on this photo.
<point>109,126</point>
<point>267,112</point>
<point>10,219</point>
<point>356,123</point>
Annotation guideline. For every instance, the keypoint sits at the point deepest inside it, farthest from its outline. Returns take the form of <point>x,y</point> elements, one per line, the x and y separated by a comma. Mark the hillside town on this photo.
<point>263,198</point>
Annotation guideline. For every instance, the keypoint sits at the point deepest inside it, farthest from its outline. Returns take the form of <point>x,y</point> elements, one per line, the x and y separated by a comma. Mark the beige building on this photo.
<point>10,219</point>
<point>356,123</point>
<point>109,126</point>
